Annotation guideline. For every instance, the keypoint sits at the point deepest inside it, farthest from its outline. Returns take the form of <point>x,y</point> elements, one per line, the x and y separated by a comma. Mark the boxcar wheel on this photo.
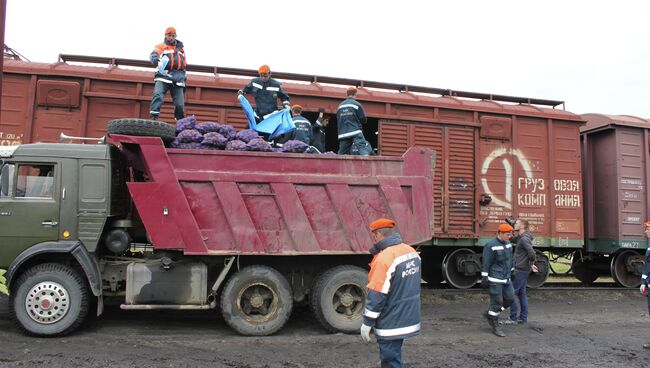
<point>338,298</point>
<point>142,127</point>
<point>626,268</point>
<point>256,301</point>
<point>460,268</point>
<point>49,299</point>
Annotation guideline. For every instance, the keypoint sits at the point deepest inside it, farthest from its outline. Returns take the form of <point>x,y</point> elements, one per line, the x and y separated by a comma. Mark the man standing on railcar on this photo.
<point>393,301</point>
<point>496,273</point>
<point>524,264</point>
<point>266,92</point>
<point>169,56</point>
<point>645,277</point>
<point>350,118</point>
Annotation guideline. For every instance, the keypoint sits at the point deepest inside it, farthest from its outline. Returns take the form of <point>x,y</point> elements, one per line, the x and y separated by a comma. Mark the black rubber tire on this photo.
<point>142,127</point>
<point>582,271</point>
<point>250,325</point>
<point>348,278</point>
<point>76,290</point>
<point>537,279</point>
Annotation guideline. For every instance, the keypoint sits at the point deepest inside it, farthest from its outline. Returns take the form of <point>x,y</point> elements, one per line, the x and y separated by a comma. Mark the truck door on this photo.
<point>29,206</point>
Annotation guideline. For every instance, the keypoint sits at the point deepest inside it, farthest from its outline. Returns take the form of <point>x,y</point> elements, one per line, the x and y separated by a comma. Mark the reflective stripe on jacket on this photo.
<point>302,131</point>
<point>266,95</point>
<point>349,118</point>
<point>174,71</point>
<point>497,261</point>
<point>393,301</point>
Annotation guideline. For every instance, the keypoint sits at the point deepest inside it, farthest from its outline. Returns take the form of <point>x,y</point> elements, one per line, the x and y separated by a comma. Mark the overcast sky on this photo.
<point>595,55</point>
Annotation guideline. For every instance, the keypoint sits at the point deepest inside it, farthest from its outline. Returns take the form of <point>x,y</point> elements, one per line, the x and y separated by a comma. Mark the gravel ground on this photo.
<point>567,329</point>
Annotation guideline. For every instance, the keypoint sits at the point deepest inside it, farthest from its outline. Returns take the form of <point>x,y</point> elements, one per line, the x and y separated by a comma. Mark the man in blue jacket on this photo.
<point>169,56</point>
<point>497,266</point>
<point>350,117</point>
<point>393,301</point>
<point>645,277</point>
<point>266,91</point>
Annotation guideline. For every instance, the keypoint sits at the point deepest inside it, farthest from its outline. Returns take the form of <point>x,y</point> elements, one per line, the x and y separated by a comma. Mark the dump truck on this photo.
<point>129,221</point>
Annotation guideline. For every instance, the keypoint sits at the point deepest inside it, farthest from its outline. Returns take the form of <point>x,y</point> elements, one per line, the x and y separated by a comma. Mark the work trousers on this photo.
<point>178,96</point>
<point>390,353</point>
<point>519,285</point>
<point>345,144</point>
<point>501,297</point>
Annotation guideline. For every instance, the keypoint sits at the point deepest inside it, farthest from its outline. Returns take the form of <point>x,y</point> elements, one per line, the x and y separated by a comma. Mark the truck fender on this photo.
<point>78,251</point>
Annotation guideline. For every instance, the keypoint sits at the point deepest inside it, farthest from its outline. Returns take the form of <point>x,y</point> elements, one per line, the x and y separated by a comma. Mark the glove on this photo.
<point>644,289</point>
<point>365,333</point>
<point>485,283</point>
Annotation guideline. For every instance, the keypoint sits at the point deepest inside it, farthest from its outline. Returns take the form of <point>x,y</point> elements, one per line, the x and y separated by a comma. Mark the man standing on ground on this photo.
<point>349,119</point>
<point>524,260</point>
<point>393,301</point>
<point>497,265</point>
<point>645,277</point>
<point>266,91</point>
<point>169,56</point>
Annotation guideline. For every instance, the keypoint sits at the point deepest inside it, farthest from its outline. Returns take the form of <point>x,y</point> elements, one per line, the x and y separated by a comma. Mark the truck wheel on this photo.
<point>338,296</point>
<point>256,301</point>
<point>142,127</point>
<point>49,299</point>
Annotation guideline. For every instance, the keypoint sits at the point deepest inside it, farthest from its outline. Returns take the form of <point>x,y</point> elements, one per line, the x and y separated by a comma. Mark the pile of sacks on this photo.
<point>190,134</point>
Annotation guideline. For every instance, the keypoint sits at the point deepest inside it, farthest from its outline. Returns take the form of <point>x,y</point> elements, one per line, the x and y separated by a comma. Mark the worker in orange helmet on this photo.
<point>169,57</point>
<point>496,275</point>
<point>645,276</point>
<point>266,92</point>
<point>393,301</point>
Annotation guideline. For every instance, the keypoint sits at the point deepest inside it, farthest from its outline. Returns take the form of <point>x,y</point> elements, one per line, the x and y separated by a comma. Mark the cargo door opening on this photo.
<point>370,131</point>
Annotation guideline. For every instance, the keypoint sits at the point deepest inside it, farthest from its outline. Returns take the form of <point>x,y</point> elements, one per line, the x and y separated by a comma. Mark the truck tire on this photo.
<point>256,301</point>
<point>49,299</point>
<point>338,298</point>
<point>142,127</point>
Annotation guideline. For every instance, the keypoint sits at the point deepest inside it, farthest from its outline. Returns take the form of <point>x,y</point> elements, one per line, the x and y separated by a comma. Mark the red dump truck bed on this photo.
<point>224,202</point>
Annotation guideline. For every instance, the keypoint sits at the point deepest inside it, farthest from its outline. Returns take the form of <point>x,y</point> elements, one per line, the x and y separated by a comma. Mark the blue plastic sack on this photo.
<point>277,124</point>
<point>248,111</point>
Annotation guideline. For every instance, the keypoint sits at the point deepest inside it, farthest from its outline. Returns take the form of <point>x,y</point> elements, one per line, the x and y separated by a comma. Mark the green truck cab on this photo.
<point>55,201</point>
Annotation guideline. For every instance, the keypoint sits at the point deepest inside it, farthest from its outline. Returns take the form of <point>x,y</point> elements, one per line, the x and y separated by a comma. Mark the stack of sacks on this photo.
<point>190,134</point>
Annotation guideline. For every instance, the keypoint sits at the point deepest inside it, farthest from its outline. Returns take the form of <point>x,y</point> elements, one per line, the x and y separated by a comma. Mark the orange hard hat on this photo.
<point>381,223</point>
<point>170,30</point>
<point>505,228</point>
<point>646,224</point>
<point>296,107</point>
<point>352,89</point>
<point>264,69</point>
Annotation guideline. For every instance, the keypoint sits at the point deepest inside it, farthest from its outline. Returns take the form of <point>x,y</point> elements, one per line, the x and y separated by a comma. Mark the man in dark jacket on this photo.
<point>497,265</point>
<point>349,119</point>
<point>318,132</point>
<point>169,56</point>
<point>645,276</point>
<point>304,130</point>
<point>393,301</point>
<point>524,263</point>
<point>266,91</point>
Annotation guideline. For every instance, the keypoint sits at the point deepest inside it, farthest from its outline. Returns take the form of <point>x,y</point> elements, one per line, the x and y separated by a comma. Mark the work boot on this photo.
<point>154,117</point>
<point>497,331</point>
<point>646,346</point>
<point>507,321</point>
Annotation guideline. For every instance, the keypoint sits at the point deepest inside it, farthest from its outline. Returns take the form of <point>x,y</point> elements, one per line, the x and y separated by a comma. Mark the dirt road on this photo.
<point>568,329</point>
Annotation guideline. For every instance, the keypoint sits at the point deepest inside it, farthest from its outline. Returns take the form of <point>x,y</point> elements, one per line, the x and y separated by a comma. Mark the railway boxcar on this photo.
<point>617,203</point>
<point>496,156</point>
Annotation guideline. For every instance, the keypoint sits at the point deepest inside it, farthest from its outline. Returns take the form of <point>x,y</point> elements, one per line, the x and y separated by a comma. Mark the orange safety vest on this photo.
<point>175,54</point>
